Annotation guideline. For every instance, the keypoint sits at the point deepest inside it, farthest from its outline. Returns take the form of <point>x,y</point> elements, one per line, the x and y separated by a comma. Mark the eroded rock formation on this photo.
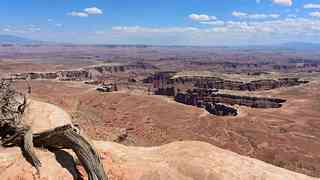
<point>168,79</point>
<point>254,102</point>
<point>218,83</point>
<point>219,109</point>
<point>258,85</point>
<point>198,99</point>
<point>292,65</point>
<point>215,102</point>
<point>86,73</point>
<point>175,161</point>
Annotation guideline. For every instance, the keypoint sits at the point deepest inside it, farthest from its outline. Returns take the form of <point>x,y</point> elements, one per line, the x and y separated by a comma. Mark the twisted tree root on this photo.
<point>68,137</point>
<point>29,149</point>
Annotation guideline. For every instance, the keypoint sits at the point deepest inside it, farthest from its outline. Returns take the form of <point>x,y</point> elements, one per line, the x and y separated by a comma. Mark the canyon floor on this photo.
<point>287,137</point>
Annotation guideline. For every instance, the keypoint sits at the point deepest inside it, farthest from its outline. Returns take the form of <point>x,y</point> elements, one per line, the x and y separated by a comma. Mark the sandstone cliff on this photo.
<point>175,161</point>
<point>169,79</point>
<point>85,73</point>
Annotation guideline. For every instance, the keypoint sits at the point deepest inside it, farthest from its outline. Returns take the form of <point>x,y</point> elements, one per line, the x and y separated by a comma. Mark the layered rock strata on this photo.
<point>86,73</point>
<point>163,80</point>
<point>215,102</point>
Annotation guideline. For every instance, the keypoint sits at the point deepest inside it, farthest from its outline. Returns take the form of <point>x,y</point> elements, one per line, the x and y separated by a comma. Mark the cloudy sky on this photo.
<point>163,22</point>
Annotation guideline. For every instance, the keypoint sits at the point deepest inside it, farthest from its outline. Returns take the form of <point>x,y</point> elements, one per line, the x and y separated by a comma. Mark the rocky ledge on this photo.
<point>258,85</point>
<point>175,161</point>
<point>86,73</point>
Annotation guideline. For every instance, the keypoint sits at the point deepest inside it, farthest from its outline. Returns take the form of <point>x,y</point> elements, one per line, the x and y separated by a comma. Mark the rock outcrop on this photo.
<point>215,102</point>
<point>254,102</point>
<point>67,75</point>
<point>175,161</point>
<point>219,109</point>
<point>195,99</point>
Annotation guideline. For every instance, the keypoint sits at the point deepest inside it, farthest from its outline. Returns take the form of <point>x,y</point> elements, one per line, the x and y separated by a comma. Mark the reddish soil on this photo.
<point>287,137</point>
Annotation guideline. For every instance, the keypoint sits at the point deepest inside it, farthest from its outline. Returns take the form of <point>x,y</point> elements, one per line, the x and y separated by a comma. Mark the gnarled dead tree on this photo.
<point>15,132</point>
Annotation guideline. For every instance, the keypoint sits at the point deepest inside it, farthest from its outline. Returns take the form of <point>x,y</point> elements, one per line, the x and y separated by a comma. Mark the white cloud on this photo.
<point>263,16</point>
<point>311,6</point>
<point>58,25</point>
<point>78,14</point>
<point>201,17</point>
<point>139,29</point>
<point>283,2</point>
<point>285,26</point>
<point>34,29</point>
<point>218,30</point>
<point>292,16</point>
<point>243,31</point>
<point>281,26</point>
<point>21,29</point>
<point>93,11</point>
<point>254,16</point>
<point>239,14</point>
<point>50,20</point>
<point>214,23</point>
<point>274,16</point>
<point>100,32</point>
<point>213,18</point>
<point>315,14</point>
<point>86,12</point>
<point>6,30</point>
<point>289,25</point>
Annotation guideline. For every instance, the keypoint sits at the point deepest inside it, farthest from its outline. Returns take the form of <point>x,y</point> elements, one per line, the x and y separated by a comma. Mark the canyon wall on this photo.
<point>215,102</point>
<point>167,79</point>
<point>218,83</point>
<point>194,99</point>
<point>291,65</point>
<point>254,102</point>
<point>86,73</point>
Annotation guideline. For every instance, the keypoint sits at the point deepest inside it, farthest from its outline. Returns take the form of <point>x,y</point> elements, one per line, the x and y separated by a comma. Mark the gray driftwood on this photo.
<point>15,132</point>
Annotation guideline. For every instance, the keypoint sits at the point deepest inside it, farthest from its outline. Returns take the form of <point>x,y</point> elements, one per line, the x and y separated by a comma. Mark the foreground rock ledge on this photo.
<point>175,161</point>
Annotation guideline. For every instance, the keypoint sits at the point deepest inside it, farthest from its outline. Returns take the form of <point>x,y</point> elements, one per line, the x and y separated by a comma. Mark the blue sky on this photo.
<point>163,22</point>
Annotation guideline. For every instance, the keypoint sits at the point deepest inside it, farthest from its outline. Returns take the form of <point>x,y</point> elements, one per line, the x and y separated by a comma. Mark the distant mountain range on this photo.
<point>301,45</point>
<point>10,39</point>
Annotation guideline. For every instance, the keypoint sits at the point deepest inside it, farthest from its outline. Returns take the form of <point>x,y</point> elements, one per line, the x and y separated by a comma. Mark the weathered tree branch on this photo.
<point>15,132</point>
<point>68,137</point>
<point>29,149</point>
